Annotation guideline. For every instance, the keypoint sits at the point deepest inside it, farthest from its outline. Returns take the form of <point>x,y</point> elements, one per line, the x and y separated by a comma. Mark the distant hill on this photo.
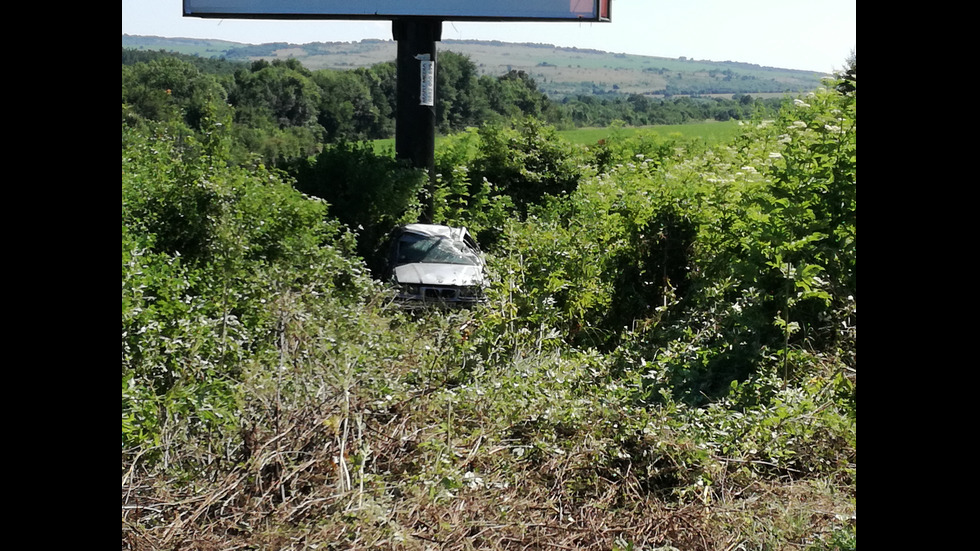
<point>558,71</point>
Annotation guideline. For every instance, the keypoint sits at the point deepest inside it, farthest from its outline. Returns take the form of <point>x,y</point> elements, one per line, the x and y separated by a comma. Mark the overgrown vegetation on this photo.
<point>667,358</point>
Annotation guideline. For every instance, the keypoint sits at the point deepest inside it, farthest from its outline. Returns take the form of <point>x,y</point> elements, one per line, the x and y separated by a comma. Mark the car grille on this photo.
<point>437,293</point>
<point>440,295</point>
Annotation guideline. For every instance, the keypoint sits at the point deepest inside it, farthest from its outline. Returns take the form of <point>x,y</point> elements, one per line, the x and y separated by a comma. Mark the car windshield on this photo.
<point>414,248</point>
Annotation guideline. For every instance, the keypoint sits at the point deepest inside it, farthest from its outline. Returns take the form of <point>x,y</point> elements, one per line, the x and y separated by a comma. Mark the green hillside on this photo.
<point>558,71</point>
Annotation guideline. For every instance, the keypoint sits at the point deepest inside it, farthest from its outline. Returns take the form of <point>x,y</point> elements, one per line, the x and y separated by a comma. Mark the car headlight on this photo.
<point>411,289</point>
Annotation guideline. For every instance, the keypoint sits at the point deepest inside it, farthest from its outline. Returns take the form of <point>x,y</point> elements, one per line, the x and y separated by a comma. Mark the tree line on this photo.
<point>280,110</point>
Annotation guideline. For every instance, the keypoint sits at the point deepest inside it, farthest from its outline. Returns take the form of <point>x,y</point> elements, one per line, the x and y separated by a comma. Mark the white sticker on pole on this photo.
<point>427,95</point>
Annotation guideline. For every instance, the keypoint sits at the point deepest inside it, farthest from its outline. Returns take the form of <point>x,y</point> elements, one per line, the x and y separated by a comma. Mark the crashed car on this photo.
<point>432,264</point>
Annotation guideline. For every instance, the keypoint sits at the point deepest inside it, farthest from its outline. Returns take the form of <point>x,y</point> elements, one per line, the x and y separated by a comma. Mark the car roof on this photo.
<point>434,230</point>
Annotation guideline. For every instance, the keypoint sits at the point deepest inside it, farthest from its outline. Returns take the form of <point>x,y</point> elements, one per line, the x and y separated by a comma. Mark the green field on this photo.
<point>711,132</point>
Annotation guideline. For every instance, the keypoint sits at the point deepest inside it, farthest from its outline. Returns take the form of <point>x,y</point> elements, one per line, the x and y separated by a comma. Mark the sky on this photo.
<point>812,35</point>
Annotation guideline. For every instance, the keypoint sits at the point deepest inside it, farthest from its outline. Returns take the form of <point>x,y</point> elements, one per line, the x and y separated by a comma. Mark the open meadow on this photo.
<point>710,132</point>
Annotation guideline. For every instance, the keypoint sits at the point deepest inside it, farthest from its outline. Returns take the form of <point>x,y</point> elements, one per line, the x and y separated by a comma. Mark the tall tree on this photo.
<point>169,89</point>
<point>347,110</point>
<point>460,102</point>
<point>282,91</point>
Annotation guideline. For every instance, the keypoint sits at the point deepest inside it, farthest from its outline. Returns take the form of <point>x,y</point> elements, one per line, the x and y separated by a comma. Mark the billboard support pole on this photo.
<point>415,111</point>
<point>416,27</point>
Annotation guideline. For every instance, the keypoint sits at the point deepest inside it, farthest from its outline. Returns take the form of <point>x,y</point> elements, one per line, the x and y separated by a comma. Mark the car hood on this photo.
<point>460,275</point>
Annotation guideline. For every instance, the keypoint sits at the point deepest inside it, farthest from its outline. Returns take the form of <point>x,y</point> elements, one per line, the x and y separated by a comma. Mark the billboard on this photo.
<point>449,10</point>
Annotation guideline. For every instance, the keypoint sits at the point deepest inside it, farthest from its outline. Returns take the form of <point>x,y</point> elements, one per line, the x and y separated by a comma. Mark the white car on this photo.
<point>430,263</point>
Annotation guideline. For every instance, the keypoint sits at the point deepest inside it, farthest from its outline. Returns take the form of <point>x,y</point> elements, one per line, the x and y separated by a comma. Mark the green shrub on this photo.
<point>526,161</point>
<point>207,251</point>
<point>367,192</point>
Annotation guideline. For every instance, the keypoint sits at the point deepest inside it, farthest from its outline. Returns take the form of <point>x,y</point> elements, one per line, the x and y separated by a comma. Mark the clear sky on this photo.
<point>814,35</point>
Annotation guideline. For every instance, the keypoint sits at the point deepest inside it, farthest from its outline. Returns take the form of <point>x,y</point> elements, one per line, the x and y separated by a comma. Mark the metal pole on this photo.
<point>415,123</point>
<point>415,111</point>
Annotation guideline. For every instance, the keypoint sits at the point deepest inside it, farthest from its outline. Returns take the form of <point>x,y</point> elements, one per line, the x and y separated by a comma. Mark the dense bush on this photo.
<point>208,250</point>
<point>368,192</point>
<point>525,161</point>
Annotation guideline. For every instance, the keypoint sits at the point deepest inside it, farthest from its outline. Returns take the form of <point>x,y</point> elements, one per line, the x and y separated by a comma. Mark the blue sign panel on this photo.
<point>459,10</point>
